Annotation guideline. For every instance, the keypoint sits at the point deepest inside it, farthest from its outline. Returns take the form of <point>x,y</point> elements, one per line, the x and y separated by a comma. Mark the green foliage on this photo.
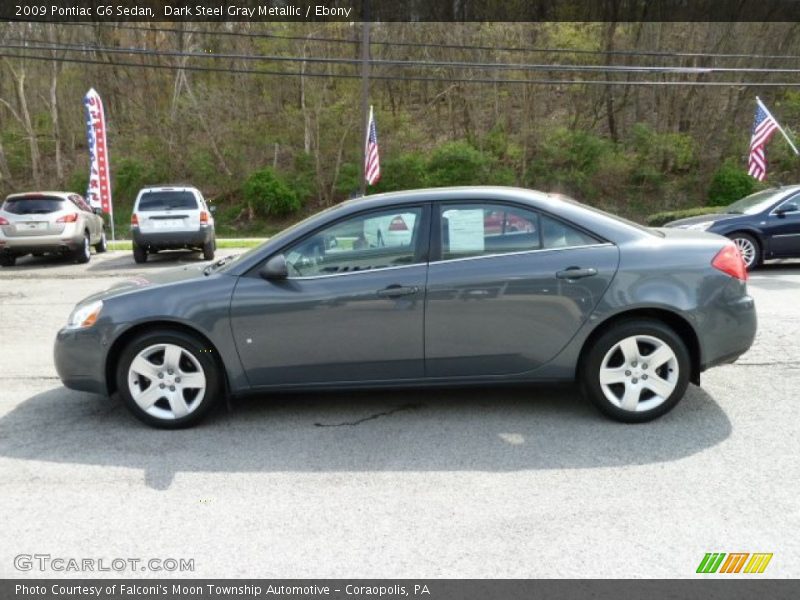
<point>78,182</point>
<point>406,172</point>
<point>729,183</point>
<point>130,175</point>
<point>660,218</point>
<point>302,178</point>
<point>457,163</point>
<point>269,194</point>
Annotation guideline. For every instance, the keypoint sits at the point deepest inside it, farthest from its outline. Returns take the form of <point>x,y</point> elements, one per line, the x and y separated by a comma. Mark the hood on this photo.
<point>700,219</point>
<point>150,280</point>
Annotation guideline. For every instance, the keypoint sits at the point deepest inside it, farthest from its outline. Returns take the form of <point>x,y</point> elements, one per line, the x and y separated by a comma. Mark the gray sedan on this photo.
<point>49,223</point>
<point>440,287</point>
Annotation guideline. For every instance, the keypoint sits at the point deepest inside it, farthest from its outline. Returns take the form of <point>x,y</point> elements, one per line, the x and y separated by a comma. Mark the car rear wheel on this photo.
<point>208,250</point>
<point>84,252</point>
<point>168,379</point>
<point>7,260</point>
<point>749,248</point>
<point>139,254</point>
<point>636,371</point>
<point>102,245</point>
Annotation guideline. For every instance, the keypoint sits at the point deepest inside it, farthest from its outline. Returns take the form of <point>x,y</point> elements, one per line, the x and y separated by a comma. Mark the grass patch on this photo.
<point>243,243</point>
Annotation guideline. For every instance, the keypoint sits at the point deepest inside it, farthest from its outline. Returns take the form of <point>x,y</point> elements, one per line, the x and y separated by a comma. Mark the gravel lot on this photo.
<point>497,483</point>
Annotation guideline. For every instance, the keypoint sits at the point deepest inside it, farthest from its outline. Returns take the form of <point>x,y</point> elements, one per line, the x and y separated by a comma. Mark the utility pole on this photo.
<point>364,95</point>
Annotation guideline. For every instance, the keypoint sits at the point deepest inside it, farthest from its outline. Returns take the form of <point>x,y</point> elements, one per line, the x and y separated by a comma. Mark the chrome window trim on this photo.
<point>521,252</point>
<point>793,198</point>
<point>365,271</point>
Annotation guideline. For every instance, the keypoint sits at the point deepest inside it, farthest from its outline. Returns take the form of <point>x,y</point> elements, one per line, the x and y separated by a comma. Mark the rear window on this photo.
<point>33,206</point>
<point>151,201</point>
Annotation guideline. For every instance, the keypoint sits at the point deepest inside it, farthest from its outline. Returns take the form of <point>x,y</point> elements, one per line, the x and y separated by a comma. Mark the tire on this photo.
<point>139,254</point>
<point>7,260</point>
<point>83,253</point>
<point>208,250</point>
<point>617,379</point>
<point>102,245</point>
<point>749,247</point>
<point>175,405</point>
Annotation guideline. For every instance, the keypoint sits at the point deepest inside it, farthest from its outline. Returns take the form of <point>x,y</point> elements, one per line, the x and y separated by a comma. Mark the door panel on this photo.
<point>506,314</point>
<point>360,326</point>
<point>784,234</point>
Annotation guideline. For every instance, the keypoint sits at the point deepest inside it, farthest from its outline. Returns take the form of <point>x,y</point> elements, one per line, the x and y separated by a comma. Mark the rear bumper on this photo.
<point>173,239</point>
<point>730,333</point>
<point>41,243</point>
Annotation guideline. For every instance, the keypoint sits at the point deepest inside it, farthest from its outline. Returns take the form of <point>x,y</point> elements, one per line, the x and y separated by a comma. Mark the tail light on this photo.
<point>203,217</point>
<point>134,220</point>
<point>70,218</point>
<point>729,260</point>
<point>398,224</point>
<point>3,221</point>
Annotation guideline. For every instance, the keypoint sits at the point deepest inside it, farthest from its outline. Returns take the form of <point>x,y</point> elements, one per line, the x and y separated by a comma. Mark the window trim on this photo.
<point>435,250</point>
<point>795,198</point>
<point>521,252</point>
<point>421,249</point>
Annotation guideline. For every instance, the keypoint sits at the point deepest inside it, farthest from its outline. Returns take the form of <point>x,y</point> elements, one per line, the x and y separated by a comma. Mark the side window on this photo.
<point>487,229</point>
<point>793,200</point>
<point>556,234</point>
<point>375,240</point>
<point>79,202</point>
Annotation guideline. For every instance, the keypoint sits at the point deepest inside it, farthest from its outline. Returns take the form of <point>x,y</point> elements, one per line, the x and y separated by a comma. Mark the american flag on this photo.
<point>764,126</point>
<point>372,164</point>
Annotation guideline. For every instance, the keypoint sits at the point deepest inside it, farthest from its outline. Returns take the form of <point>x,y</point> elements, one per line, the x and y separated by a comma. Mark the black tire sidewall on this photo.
<point>590,368</point>
<point>211,368</point>
<point>208,250</point>
<point>139,254</point>
<point>84,253</point>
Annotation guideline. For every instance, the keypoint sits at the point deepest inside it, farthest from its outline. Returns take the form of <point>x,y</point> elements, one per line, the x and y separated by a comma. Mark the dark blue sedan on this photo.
<point>764,225</point>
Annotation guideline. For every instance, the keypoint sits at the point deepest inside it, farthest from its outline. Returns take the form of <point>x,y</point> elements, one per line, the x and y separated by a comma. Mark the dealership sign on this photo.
<point>98,192</point>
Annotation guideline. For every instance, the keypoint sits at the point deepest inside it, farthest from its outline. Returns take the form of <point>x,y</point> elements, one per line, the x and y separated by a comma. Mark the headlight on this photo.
<point>700,226</point>
<point>85,315</point>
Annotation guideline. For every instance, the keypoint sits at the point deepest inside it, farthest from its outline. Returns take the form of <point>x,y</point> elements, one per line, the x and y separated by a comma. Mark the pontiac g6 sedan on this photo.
<point>552,291</point>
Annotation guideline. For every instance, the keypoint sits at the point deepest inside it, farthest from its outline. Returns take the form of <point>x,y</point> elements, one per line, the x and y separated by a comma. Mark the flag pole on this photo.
<point>364,97</point>
<point>778,125</point>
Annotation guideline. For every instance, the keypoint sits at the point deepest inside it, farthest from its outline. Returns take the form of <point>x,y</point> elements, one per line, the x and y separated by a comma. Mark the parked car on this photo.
<point>49,223</point>
<point>171,217</point>
<point>764,225</point>
<point>634,314</point>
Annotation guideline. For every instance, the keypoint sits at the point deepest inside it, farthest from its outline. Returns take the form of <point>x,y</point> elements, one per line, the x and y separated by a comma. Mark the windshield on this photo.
<point>167,201</point>
<point>754,203</point>
<point>33,206</point>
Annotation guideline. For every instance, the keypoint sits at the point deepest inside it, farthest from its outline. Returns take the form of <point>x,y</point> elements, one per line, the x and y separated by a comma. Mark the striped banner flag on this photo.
<point>764,126</point>
<point>372,164</point>
<point>99,190</point>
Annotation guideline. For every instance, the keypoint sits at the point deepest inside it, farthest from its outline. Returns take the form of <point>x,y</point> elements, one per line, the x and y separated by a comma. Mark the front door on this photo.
<point>783,229</point>
<point>351,309</point>
<point>508,289</point>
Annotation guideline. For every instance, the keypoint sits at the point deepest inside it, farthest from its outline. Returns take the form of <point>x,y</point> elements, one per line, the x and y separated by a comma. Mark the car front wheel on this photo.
<point>636,371</point>
<point>749,248</point>
<point>168,379</point>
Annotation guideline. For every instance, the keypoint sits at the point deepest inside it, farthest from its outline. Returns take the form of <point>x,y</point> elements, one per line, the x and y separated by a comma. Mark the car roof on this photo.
<point>64,195</point>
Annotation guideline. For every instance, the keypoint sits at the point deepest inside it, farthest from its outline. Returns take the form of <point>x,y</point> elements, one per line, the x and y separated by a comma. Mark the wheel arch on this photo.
<point>673,320</point>
<point>119,344</point>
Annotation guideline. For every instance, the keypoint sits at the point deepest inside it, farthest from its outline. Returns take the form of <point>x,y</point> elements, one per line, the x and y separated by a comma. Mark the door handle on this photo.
<point>576,273</point>
<point>396,291</point>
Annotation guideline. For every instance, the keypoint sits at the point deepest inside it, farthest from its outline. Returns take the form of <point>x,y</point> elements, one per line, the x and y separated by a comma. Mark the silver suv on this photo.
<point>49,223</point>
<point>171,217</point>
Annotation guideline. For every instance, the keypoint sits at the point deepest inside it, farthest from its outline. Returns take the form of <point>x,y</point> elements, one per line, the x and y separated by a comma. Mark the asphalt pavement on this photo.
<point>522,482</point>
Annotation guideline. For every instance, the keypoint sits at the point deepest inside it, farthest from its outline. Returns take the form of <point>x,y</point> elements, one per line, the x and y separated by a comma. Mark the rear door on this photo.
<point>507,288</point>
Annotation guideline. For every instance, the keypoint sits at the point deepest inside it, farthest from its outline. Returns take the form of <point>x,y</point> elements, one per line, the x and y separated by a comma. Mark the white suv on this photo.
<point>170,217</point>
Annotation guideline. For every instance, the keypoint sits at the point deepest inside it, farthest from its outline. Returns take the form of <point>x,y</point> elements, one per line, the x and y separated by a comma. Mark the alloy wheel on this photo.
<point>166,381</point>
<point>639,373</point>
<point>747,250</point>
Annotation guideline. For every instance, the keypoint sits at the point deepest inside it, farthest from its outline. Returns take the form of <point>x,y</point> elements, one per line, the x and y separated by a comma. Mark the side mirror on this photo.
<point>212,209</point>
<point>275,268</point>
<point>98,211</point>
<point>786,208</point>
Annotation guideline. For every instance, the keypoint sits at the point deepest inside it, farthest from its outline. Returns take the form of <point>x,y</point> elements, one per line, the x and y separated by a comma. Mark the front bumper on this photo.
<point>80,359</point>
<point>166,240</point>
